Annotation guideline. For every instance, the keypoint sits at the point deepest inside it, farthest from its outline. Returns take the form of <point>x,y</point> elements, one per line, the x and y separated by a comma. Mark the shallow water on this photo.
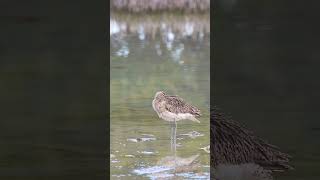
<point>148,54</point>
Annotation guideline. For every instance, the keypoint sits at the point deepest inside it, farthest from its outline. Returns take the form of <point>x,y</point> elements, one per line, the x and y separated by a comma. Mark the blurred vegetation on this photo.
<point>160,5</point>
<point>181,25</point>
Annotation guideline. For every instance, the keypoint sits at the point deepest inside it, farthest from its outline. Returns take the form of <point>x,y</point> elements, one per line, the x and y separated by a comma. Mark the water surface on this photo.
<point>167,52</point>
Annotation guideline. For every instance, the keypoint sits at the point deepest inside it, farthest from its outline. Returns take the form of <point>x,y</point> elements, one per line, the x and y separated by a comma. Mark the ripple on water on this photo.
<point>192,134</point>
<point>151,170</point>
<point>147,152</point>
<point>129,156</point>
<point>143,139</point>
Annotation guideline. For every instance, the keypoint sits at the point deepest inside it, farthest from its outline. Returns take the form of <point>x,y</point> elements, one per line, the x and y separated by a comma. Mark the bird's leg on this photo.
<point>175,136</point>
<point>175,144</point>
<point>171,136</point>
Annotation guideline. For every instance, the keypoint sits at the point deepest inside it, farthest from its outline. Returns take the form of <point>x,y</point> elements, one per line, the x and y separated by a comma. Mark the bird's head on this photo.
<point>159,94</point>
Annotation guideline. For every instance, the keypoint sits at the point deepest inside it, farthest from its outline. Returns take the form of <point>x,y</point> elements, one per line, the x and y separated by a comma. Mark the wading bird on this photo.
<point>173,109</point>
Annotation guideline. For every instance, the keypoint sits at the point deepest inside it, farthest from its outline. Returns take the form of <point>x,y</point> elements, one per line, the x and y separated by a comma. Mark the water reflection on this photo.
<point>173,166</point>
<point>169,31</point>
<point>169,26</point>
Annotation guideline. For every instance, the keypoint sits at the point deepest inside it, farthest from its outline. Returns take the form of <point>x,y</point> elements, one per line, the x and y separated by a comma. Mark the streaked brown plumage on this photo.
<point>233,144</point>
<point>174,108</point>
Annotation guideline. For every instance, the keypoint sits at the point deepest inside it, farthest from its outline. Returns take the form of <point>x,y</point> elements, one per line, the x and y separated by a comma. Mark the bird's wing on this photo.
<point>176,105</point>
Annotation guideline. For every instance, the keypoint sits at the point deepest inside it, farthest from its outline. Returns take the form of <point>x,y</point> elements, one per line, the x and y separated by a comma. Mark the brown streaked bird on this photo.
<point>232,144</point>
<point>174,108</point>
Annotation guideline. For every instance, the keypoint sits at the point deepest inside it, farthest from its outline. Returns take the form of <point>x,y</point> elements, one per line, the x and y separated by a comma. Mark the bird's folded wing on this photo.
<point>175,104</point>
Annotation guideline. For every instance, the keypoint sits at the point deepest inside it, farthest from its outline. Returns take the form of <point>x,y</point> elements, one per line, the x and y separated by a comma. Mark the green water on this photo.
<point>142,64</point>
